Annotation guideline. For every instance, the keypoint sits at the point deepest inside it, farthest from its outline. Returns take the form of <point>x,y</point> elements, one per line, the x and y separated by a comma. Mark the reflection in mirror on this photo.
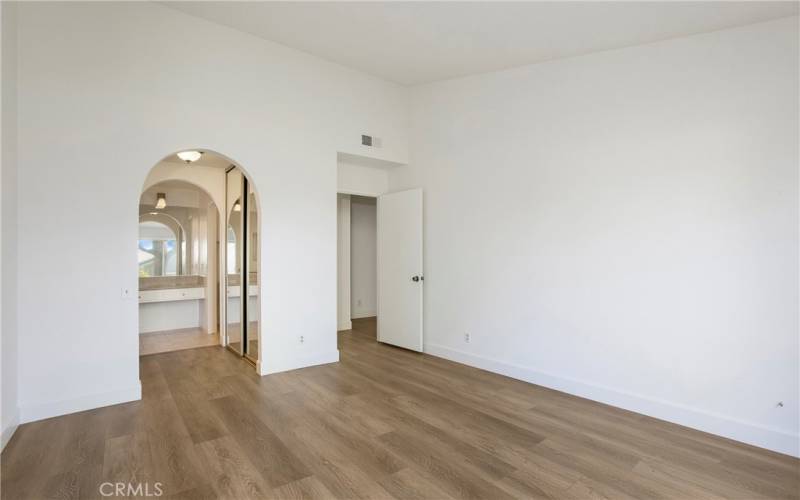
<point>231,251</point>
<point>253,303</point>
<point>158,250</point>
<point>181,244</point>
<point>233,264</point>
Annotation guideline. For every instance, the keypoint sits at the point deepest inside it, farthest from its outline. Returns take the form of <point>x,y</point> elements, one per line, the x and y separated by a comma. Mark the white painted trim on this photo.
<point>370,314</point>
<point>343,296</point>
<point>39,411</point>
<point>353,192</point>
<point>314,359</point>
<point>721,425</point>
<point>9,431</point>
<point>367,160</point>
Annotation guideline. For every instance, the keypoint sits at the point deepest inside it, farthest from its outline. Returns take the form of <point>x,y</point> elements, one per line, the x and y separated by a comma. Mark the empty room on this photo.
<point>400,250</point>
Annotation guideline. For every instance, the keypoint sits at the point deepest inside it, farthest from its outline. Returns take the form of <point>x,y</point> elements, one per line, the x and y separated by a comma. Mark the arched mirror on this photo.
<point>159,249</point>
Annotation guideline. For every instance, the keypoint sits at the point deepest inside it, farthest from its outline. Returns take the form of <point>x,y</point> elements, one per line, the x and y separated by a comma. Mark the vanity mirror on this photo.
<point>161,249</point>
<point>174,230</point>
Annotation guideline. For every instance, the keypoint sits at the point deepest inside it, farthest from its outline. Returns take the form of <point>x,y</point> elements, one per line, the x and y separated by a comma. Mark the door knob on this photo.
<point>415,278</point>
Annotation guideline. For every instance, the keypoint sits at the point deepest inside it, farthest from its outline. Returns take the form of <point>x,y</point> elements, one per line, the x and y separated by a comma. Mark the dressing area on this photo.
<point>191,286</point>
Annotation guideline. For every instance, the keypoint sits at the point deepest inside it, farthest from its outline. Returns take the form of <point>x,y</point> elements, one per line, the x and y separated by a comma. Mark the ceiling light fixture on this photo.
<point>190,156</point>
<point>161,201</point>
<point>237,207</point>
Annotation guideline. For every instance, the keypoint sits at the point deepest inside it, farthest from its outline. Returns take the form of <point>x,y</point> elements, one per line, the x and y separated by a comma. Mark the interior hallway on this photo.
<point>382,423</point>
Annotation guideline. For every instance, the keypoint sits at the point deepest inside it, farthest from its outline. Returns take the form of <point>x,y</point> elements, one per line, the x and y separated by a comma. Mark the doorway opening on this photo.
<point>357,264</point>
<point>198,247</point>
<point>380,267</point>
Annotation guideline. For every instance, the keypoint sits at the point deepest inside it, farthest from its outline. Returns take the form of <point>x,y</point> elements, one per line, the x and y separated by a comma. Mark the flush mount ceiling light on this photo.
<point>153,213</point>
<point>190,156</point>
<point>161,201</point>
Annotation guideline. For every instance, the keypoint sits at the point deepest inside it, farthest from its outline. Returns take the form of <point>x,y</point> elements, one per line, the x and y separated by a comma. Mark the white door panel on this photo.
<point>400,272</point>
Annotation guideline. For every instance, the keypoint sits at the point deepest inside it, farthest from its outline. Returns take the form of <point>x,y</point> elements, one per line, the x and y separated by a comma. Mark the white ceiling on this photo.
<point>418,42</point>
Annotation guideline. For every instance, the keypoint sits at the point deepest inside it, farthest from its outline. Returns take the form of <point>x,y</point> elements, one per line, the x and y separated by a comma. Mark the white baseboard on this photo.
<point>364,315</point>
<point>345,325</point>
<point>9,430</point>
<point>39,411</point>
<point>721,425</point>
<point>320,358</point>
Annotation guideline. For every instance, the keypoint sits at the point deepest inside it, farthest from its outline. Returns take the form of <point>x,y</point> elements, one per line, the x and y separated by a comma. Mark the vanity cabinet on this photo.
<point>171,295</point>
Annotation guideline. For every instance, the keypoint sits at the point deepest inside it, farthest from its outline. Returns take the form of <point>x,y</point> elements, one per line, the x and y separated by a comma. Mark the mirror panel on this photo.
<point>173,239</point>
<point>253,303</point>
<point>233,261</point>
<point>159,249</point>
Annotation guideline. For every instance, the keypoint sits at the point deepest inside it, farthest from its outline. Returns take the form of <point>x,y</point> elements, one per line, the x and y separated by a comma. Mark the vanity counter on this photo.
<point>171,282</point>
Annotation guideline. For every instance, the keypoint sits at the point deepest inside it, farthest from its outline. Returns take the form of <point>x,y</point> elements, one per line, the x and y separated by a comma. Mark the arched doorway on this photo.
<point>199,262</point>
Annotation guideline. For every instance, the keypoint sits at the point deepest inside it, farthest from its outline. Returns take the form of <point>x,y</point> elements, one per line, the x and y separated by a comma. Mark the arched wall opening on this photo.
<point>166,301</point>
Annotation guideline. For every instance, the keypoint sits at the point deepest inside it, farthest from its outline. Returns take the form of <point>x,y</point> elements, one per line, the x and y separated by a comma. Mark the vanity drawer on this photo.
<point>171,295</point>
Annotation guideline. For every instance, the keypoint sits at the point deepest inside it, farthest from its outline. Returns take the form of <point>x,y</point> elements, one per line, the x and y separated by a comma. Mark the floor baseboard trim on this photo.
<point>348,325</point>
<point>365,315</point>
<point>40,411</point>
<point>9,430</point>
<point>720,425</point>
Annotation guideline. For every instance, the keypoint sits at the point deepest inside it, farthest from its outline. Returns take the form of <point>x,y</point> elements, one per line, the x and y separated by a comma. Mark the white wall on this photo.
<point>343,262</point>
<point>95,117</point>
<point>9,374</point>
<point>362,180</point>
<point>624,226</point>
<point>363,254</point>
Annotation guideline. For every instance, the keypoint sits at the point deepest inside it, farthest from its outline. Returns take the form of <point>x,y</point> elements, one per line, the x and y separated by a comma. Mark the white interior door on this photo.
<point>400,277</point>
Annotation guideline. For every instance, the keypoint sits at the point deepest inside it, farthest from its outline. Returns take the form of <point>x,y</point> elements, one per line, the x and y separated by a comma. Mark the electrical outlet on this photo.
<point>302,339</point>
<point>467,338</point>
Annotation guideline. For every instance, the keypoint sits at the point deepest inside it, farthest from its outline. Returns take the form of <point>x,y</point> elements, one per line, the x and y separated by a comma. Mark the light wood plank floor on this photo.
<point>382,423</point>
<point>175,340</point>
